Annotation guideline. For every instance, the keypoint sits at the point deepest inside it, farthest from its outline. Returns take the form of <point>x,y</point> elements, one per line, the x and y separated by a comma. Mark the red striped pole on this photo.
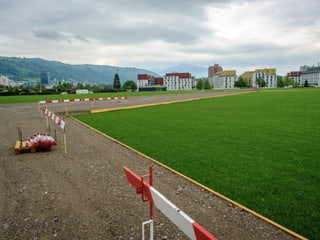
<point>191,228</point>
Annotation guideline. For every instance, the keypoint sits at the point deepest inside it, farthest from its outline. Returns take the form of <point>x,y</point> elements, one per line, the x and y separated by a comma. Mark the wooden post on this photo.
<point>65,141</point>
<point>67,114</point>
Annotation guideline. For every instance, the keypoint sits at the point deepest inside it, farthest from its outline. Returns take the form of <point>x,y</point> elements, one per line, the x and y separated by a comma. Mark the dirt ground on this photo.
<point>84,194</point>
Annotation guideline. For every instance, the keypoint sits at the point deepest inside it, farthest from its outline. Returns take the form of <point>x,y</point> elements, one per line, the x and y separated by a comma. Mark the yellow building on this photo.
<point>268,75</point>
<point>227,73</point>
<point>267,71</point>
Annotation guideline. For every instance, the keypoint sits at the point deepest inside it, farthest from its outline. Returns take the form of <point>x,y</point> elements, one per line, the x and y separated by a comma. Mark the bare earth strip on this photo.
<point>84,194</point>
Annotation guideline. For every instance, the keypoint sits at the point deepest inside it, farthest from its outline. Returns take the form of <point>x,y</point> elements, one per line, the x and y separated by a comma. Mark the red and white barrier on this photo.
<point>60,122</point>
<point>191,228</point>
<point>82,100</point>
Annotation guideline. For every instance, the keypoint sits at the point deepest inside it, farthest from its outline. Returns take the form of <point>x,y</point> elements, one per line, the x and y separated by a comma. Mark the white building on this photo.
<point>178,81</point>
<point>4,80</point>
<point>82,91</point>
<point>310,75</point>
<point>269,75</point>
<point>224,79</point>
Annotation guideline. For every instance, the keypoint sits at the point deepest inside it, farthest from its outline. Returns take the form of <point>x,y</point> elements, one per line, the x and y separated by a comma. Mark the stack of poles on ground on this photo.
<point>148,193</point>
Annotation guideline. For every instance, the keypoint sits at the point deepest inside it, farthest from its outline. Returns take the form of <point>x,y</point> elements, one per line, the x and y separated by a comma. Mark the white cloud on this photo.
<point>154,34</point>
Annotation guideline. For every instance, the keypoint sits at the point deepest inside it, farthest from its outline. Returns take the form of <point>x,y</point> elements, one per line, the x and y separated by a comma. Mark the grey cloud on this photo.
<point>57,36</point>
<point>81,38</point>
<point>185,26</point>
<point>142,32</point>
<point>49,34</point>
<point>116,22</point>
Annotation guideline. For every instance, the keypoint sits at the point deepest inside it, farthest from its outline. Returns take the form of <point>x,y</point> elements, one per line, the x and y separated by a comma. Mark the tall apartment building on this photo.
<point>310,75</point>
<point>44,78</point>
<point>224,79</point>
<point>212,70</point>
<point>269,75</point>
<point>178,81</point>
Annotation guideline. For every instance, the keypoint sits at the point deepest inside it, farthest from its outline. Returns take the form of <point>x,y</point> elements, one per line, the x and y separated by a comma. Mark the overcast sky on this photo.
<point>155,34</point>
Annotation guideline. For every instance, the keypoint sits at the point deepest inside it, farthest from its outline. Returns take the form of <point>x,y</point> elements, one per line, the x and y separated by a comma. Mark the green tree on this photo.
<point>261,82</point>
<point>107,88</point>
<point>67,86</point>
<point>287,81</point>
<point>241,83</point>
<point>96,89</point>
<point>295,84</point>
<point>207,85</point>
<point>80,86</point>
<point>116,82</point>
<point>306,84</point>
<point>280,82</point>
<point>200,84</point>
<point>129,85</point>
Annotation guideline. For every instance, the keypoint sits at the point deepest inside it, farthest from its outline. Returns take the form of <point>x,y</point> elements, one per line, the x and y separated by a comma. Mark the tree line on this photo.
<point>128,85</point>
<point>67,87</point>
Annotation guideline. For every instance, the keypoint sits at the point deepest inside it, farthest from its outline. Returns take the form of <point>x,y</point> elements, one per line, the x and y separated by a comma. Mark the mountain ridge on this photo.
<point>196,71</point>
<point>25,69</point>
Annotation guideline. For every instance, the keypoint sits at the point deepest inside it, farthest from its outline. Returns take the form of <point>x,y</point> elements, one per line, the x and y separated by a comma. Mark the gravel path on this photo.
<point>84,194</point>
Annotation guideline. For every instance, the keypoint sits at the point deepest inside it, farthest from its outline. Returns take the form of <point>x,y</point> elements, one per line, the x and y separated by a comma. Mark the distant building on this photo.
<point>148,82</point>
<point>269,75</point>
<point>296,77</point>
<point>178,81</point>
<point>224,79</point>
<point>310,75</point>
<point>82,91</point>
<point>212,70</point>
<point>4,80</point>
<point>44,78</point>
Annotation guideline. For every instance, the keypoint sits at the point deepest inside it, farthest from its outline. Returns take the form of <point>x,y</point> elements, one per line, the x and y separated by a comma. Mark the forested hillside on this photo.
<point>22,69</point>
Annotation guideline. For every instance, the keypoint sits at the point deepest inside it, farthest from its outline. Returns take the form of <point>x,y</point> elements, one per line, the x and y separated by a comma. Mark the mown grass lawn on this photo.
<point>259,149</point>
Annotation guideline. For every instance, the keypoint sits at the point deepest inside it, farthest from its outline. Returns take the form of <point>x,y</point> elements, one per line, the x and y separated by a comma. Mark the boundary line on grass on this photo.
<point>195,182</point>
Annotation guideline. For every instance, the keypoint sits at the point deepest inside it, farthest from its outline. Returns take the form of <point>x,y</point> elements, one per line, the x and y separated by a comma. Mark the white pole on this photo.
<point>151,228</point>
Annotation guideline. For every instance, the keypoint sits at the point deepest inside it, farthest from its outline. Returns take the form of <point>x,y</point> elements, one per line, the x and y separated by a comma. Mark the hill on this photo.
<point>24,69</point>
<point>195,71</point>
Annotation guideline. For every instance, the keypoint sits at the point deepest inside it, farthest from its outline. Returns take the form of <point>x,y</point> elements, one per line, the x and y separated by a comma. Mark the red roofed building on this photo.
<point>178,81</point>
<point>295,76</point>
<point>148,82</point>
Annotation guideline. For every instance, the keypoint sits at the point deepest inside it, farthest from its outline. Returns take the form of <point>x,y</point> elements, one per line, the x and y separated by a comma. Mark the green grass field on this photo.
<point>259,149</point>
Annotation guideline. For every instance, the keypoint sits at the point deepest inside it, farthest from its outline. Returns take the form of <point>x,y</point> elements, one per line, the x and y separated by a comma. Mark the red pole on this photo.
<point>151,183</point>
